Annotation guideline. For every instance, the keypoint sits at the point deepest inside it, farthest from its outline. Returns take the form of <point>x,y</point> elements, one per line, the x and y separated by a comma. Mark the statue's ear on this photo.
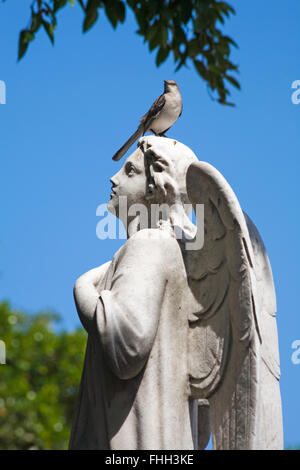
<point>151,191</point>
<point>150,161</point>
<point>155,165</point>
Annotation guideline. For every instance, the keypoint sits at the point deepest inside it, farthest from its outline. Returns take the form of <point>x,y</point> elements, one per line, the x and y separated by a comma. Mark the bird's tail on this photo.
<point>119,154</point>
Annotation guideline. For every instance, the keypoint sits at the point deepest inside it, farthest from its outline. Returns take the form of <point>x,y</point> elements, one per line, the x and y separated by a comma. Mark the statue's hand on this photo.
<point>86,294</point>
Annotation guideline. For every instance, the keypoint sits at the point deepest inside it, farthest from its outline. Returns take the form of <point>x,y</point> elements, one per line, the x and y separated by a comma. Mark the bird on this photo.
<point>164,112</point>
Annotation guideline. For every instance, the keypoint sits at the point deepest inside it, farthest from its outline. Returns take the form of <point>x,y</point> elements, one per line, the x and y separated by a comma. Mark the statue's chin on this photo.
<point>112,206</point>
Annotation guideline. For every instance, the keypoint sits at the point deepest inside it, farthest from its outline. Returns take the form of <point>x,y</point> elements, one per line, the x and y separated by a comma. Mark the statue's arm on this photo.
<point>86,294</point>
<point>127,315</point>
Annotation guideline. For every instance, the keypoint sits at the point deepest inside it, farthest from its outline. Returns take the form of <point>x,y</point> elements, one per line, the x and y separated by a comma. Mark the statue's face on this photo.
<point>130,182</point>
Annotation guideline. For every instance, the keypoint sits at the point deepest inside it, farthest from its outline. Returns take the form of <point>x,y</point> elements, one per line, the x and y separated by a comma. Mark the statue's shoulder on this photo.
<point>157,236</point>
<point>153,243</point>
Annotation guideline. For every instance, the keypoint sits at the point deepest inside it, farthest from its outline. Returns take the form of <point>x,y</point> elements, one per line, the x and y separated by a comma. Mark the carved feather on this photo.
<point>233,334</point>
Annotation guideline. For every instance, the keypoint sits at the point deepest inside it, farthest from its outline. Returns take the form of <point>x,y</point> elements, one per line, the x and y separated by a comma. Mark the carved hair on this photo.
<point>166,164</point>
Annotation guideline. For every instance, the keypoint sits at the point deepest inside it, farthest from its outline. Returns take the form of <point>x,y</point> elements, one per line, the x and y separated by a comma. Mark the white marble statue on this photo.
<point>182,339</point>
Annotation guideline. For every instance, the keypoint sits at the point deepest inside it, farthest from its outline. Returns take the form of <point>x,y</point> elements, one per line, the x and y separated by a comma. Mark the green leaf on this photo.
<point>179,36</point>
<point>24,39</point>
<point>49,28</point>
<point>81,4</point>
<point>186,12</point>
<point>132,3</point>
<point>182,61</point>
<point>199,23</point>
<point>176,54</point>
<point>220,17</point>
<point>162,55</point>
<point>231,41</point>
<point>154,36</point>
<point>152,31</point>
<point>225,8</point>
<point>141,19</point>
<point>202,5</point>
<point>215,69</point>
<point>58,4</point>
<point>164,35</point>
<point>36,21</point>
<point>120,11</point>
<point>233,81</point>
<point>194,47</point>
<point>225,103</point>
<point>91,14</point>
<point>201,69</point>
<point>111,12</point>
<point>90,19</point>
<point>223,47</point>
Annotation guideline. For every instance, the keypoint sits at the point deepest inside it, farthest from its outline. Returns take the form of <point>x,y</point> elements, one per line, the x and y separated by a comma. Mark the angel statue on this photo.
<point>182,336</point>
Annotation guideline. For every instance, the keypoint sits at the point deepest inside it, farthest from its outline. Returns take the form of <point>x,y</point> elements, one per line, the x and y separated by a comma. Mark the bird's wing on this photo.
<point>153,112</point>
<point>145,123</point>
<point>229,331</point>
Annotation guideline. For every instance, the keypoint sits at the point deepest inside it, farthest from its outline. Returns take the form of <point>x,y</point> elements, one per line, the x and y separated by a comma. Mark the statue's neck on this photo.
<point>133,226</point>
<point>175,219</point>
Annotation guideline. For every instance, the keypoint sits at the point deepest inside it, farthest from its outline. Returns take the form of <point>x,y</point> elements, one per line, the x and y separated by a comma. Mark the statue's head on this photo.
<point>154,174</point>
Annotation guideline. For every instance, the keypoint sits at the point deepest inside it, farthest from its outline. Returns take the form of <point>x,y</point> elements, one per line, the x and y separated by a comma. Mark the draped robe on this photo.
<point>134,391</point>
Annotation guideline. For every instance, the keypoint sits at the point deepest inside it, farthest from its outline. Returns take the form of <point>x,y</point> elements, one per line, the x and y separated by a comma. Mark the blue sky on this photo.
<point>69,108</point>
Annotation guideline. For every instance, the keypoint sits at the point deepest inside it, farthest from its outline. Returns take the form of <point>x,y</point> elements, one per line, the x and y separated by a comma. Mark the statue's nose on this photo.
<point>113,180</point>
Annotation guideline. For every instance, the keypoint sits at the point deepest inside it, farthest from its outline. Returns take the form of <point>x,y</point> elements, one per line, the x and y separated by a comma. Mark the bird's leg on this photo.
<point>163,134</point>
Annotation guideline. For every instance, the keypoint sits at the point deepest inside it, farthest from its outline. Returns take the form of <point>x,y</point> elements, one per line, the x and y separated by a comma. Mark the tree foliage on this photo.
<point>189,29</point>
<point>39,381</point>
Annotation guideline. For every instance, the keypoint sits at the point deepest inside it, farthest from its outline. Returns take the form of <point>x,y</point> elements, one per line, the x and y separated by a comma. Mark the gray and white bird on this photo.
<point>165,110</point>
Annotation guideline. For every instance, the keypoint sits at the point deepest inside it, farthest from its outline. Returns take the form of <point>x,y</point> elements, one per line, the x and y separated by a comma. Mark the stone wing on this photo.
<point>233,335</point>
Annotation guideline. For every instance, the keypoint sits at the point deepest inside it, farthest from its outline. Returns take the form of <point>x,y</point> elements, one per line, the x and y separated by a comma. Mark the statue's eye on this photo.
<point>157,167</point>
<point>130,169</point>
